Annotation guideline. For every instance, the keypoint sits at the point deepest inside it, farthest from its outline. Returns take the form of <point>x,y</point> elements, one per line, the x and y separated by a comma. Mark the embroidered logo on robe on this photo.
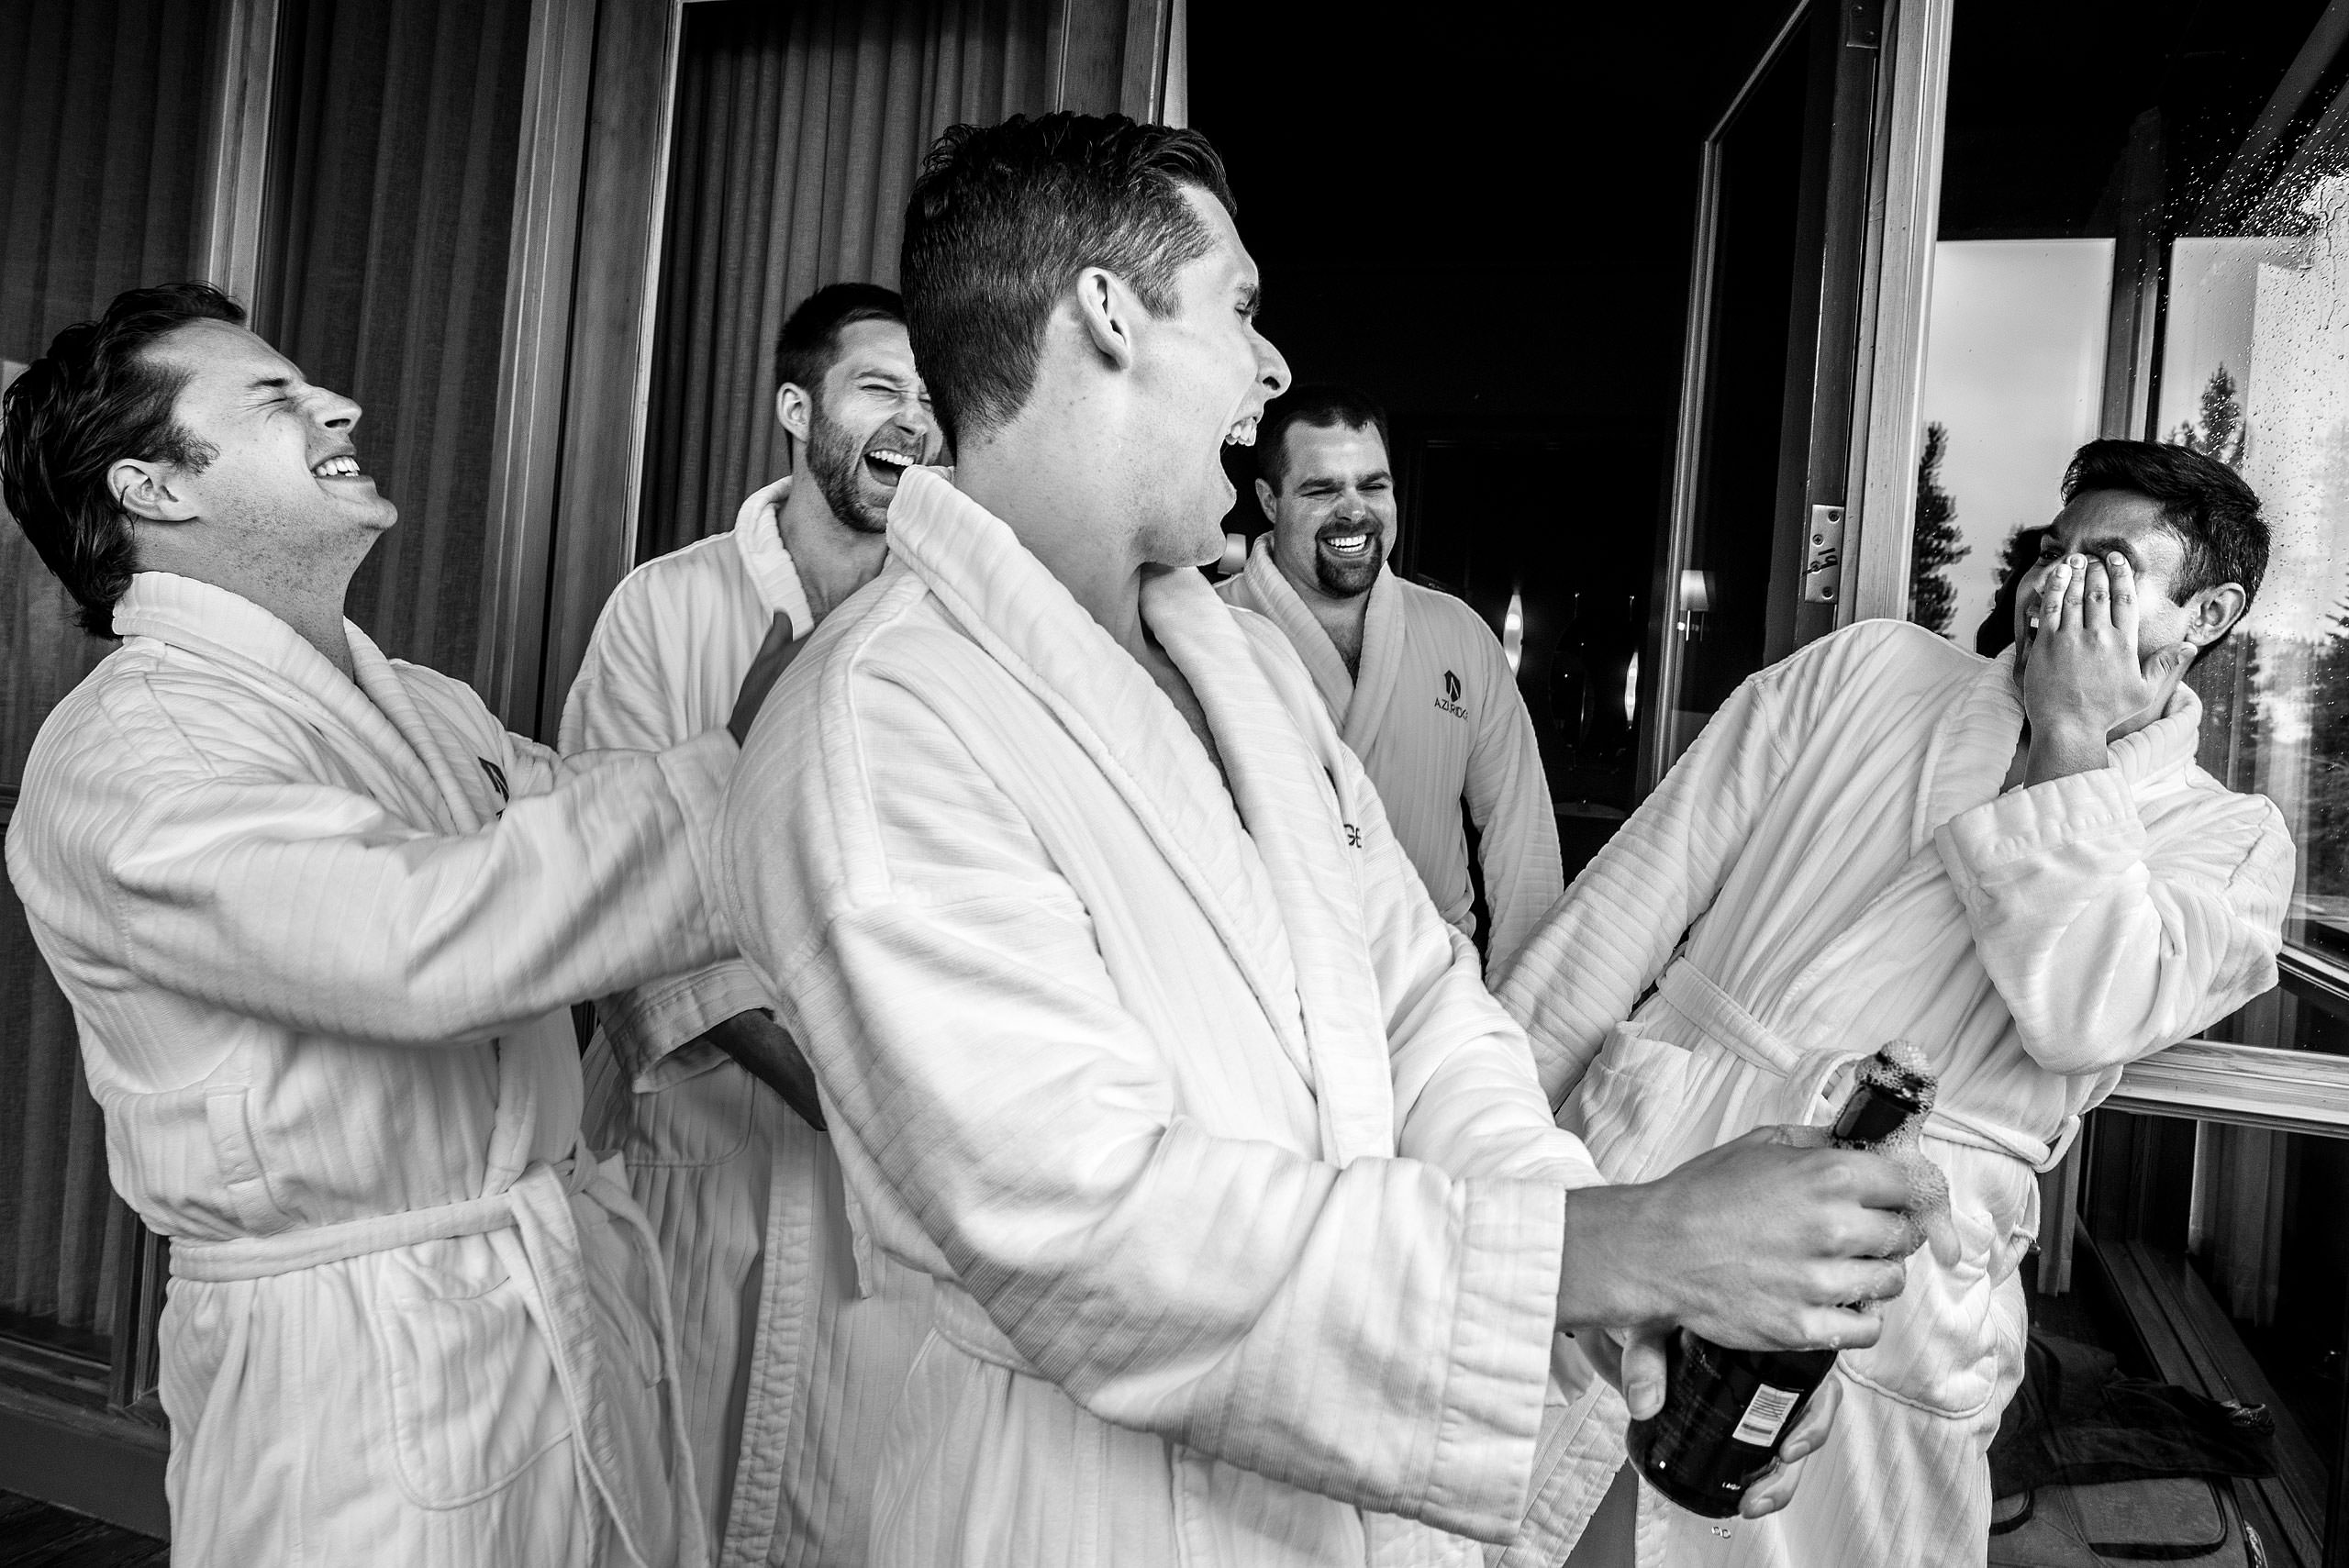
<point>498,777</point>
<point>1450,701</point>
<point>1353,836</point>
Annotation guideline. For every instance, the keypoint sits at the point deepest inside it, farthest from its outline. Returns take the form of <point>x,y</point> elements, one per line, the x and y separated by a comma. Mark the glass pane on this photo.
<point>2198,159</point>
<point>1755,441</point>
<point>394,136</point>
<point>2251,372</point>
<point>2217,1260</point>
<point>2014,380</point>
<point>104,107</point>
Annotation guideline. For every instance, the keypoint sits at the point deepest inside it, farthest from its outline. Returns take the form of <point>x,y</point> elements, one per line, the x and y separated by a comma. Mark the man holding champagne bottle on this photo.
<point>2015,865</point>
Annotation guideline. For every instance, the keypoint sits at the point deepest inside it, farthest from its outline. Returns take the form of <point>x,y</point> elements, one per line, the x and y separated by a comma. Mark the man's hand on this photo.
<point>2083,685</point>
<point>1633,1360</point>
<point>769,1053</point>
<point>1755,1245</point>
<point>774,656</point>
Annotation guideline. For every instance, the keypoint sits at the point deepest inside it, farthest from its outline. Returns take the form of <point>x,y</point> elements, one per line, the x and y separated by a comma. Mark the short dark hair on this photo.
<point>810,340</point>
<point>95,398</point>
<point>1003,219</point>
<point>1325,407</point>
<point>2214,514</point>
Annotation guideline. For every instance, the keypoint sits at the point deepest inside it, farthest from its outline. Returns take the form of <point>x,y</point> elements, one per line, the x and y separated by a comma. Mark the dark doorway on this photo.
<point>1485,223</point>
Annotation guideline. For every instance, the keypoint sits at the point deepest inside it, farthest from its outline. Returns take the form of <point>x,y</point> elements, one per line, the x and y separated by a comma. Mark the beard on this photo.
<point>836,457</point>
<point>1350,579</point>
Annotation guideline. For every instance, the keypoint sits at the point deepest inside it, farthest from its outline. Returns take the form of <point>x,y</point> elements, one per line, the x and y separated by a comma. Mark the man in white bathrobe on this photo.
<point>320,918</point>
<point>2014,864</point>
<point>789,1371</point>
<point>1414,679</point>
<point>1251,1234</point>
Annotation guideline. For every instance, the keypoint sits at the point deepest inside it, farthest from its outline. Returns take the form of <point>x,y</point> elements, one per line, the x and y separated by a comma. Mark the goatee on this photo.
<point>1347,579</point>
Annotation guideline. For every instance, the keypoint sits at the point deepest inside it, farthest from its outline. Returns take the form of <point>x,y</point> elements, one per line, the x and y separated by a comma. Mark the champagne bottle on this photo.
<point>1726,1411</point>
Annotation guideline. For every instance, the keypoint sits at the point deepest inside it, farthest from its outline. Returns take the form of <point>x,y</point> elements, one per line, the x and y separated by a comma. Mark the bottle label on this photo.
<point>1765,1414</point>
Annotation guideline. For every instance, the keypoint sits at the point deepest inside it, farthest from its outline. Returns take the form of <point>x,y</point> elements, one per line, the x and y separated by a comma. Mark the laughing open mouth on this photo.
<point>1346,547</point>
<point>887,465</point>
<point>343,466</point>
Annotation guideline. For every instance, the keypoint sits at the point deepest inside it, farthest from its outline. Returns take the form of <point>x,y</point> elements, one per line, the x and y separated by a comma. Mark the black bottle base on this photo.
<point>1711,1500</point>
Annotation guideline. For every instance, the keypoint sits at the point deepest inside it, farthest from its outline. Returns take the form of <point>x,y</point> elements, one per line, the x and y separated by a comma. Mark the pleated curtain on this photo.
<point>395,134</point>
<point>798,132</point>
<point>104,106</point>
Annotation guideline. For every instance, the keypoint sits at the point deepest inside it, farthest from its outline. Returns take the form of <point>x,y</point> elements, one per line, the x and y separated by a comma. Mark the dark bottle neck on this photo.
<point>1872,1114</point>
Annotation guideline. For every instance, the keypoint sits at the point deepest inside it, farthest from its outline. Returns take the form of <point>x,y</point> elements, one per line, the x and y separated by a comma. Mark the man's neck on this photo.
<point>832,559</point>
<point>1057,510</point>
<point>1064,510</point>
<point>1341,619</point>
<point>305,594</point>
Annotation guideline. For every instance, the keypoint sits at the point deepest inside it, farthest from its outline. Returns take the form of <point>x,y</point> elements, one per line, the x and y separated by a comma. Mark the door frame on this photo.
<point>1860,344</point>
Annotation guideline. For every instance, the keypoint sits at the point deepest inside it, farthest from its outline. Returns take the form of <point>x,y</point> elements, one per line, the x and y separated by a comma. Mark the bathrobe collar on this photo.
<point>1974,745</point>
<point>1361,700</point>
<point>412,765</point>
<point>1278,878</point>
<point>758,535</point>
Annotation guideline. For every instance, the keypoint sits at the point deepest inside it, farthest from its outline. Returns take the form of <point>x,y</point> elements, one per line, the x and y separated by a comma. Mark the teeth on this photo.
<point>894,460</point>
<point>337,467</point>
<point>1243,434</point>
<point>1346,544</point>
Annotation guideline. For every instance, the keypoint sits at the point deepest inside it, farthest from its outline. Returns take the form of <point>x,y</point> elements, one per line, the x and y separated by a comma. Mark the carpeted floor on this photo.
<point>35,1535</point>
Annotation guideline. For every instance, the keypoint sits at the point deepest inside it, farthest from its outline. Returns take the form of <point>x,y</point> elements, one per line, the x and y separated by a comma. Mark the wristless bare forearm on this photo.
<point>768,1053</point>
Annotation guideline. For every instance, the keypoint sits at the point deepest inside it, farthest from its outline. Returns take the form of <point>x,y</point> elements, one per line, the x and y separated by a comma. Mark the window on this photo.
<point>2159,248</point>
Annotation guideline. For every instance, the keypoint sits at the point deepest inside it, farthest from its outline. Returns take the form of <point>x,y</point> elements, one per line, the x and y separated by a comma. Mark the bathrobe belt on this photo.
<point>1721,1019</point>
<point>538,1209</point>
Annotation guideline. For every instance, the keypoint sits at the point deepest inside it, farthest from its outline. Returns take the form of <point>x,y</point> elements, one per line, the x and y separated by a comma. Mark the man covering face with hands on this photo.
<point>2015,865</point>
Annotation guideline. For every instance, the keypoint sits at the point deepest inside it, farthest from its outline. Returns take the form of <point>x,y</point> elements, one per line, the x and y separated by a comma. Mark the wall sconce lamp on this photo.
<point>1696,602</point>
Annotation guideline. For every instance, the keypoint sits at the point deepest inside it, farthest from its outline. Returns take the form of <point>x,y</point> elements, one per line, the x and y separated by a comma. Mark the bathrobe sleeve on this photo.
<point>1377,1333</point>
<point>642,687</point>
<point>2112,932</point>
<point>1508,797</point>
<point>1601,946</point>
<point>237,878</point>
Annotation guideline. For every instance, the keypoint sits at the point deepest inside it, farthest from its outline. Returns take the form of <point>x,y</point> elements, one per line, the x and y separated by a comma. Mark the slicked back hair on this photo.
<point>810,340</point>
<point>2214,514</point>
<point>1005,217</point>
<point>1325,407</point>
<point>95,398</point>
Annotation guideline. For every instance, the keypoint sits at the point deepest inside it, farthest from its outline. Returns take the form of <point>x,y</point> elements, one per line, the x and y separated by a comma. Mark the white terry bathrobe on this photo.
<point>1437,720</point>
<point>319,937</point>
<point>1845,871</point>
<point>790,1372</point>
<point>1239,1194</point>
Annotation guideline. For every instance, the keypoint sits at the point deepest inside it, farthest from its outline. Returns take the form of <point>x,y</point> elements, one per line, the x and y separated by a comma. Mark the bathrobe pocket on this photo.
<point>1945,1343</point>
<point>473,1397</point>
<point>1629,1102</point>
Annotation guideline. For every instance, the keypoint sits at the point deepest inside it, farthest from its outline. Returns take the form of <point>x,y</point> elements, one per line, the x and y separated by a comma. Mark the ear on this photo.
<point>143,489</point>
<point>1265,497</point>
<point>1109,311</point>
<point>2213,612</point>
<point>794,410</point>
